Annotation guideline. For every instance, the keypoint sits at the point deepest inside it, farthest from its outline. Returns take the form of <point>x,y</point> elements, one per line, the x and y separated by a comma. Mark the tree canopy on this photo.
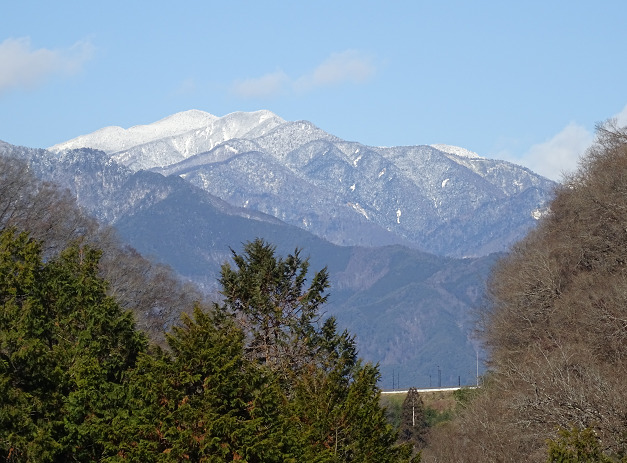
<point>258,378</point>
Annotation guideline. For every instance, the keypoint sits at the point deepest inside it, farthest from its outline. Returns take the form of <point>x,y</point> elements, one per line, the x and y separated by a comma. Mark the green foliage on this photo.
<point>336,407</point>
<point>269,297</point>
<point>577,446</point>
<point>202,401</point>
<point>465,396</point>
<point>64,347</point>
<point>331,399</point>
<point>392,404</point>
<point>77,382</point>
<point>434,417</point>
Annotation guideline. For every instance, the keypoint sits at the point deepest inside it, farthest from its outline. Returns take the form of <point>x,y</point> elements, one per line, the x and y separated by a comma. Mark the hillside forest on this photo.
<point>86,373</point>
<point>107,356</point>
<point>555,326</point>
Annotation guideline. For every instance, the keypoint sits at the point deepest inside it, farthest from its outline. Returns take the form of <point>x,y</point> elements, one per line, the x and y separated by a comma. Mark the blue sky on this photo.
<point>522,81</point>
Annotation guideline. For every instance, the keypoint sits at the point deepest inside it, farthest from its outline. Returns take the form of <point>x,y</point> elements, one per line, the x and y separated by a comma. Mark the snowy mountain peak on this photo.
<point>117,139</point>
<point>180,122</point>
<point>112,139</point>
<point>456,150</point>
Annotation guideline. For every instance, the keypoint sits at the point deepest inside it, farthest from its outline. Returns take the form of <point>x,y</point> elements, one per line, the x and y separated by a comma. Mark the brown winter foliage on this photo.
<point>556,326</point>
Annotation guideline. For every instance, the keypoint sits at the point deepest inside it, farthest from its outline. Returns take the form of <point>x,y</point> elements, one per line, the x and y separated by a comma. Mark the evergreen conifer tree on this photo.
<point>202,400</point>
<point>64,348</point>
<point>330,398</point>
<point>413,427</point>
<point>269,298</point>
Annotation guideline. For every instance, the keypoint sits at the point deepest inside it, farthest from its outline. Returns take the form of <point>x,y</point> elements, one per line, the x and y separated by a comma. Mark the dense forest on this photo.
<point>555,326</point>
<point>86,376</point>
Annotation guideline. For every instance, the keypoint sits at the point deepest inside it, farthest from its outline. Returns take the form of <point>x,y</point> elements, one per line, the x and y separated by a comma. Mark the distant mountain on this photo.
<point>173,138</point>
<point>439,199</point>
<point>392,224</point>
<point>409,310</point>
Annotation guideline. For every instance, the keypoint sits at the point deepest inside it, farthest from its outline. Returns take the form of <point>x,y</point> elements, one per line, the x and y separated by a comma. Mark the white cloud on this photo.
<point>262,87</point>
<point>350,66</point>
<point>560,154</point>
<point>27,68</point>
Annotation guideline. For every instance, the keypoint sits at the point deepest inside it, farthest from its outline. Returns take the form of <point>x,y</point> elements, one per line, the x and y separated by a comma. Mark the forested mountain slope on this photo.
<point>556,330</point>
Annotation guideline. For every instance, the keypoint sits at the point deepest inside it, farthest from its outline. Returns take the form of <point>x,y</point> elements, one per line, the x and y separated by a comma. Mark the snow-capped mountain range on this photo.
<point>441,199</point>
<point>394,225</point>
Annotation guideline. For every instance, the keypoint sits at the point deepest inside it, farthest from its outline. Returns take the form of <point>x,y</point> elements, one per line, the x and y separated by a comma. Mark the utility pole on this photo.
<point>439,377</point>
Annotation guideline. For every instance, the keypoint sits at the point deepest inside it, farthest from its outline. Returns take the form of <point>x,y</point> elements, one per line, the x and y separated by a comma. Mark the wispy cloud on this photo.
<point>560,154</point>
<point>268,85</point>
<point>350,66</point>
<point>23,67</point>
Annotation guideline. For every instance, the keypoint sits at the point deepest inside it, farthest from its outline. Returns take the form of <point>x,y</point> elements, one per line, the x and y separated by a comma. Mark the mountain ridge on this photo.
<point>412,193</point>
<point>409,233</point>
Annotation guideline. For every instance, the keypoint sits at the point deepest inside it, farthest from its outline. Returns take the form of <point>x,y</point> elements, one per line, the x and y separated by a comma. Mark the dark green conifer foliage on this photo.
<point>413,427</point>
<point>257,379</point>
<point>202,401</point>
<point>271,302</point>
<point>64,346</point>
<point>330,399</point>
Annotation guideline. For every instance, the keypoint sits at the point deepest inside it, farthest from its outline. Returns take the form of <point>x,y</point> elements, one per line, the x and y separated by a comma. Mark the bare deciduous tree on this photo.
<point>556,325</point>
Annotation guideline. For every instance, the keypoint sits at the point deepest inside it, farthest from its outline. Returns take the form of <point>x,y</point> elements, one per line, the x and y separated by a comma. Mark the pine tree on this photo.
<point>413,427</point>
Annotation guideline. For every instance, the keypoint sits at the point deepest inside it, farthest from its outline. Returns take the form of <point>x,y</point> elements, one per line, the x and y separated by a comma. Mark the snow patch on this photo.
<point>359,209</point>
<point>537,214</point>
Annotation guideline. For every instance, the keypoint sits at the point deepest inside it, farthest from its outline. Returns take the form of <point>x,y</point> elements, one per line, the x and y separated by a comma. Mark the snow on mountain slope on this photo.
<point>290,136</point>
<point>170,150</point>
<point>440,198</point>
<point>112,139</point>
<point>456,150</point>
<point>173,138</point>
